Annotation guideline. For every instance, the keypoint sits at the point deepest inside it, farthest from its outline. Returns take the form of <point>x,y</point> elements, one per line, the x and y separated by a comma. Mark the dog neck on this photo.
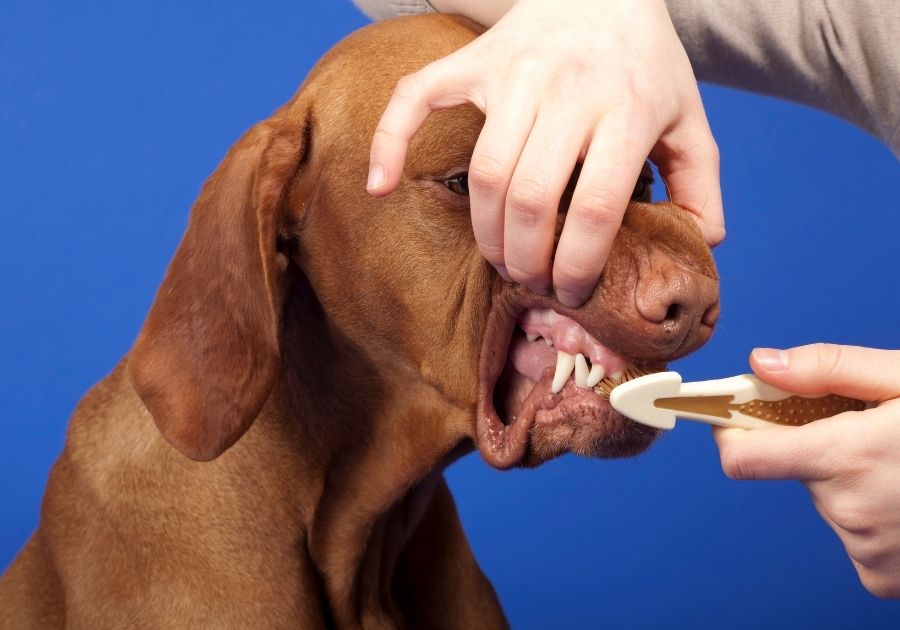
<point>373,444</point>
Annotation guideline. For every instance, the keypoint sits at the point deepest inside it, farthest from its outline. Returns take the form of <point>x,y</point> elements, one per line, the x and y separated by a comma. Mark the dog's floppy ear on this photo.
<point>208,353</point>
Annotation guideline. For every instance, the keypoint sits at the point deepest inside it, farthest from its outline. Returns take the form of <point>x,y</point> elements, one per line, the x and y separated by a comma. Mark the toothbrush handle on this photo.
<point>747,402</point>
<point>799,410</point>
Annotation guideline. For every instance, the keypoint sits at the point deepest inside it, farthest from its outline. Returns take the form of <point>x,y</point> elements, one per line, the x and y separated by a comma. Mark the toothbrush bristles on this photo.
<point>605,387</point>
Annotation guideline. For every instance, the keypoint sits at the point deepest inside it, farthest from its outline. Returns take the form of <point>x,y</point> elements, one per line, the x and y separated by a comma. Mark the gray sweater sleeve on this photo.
<point>383,9</point>
<point>842,56</point>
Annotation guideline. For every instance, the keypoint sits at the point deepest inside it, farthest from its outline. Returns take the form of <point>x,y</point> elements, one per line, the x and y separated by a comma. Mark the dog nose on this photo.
<point>675,302</point>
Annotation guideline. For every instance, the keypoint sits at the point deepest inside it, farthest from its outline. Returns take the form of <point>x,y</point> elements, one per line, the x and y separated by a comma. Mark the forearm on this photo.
<point>835,55</point>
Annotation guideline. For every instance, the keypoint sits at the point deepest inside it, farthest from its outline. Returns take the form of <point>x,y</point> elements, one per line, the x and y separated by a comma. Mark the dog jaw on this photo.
<point>539,419</point>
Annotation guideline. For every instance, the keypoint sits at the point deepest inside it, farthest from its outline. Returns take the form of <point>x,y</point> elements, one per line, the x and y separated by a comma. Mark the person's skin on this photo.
<point>849,463</point>
<point>561,81</point>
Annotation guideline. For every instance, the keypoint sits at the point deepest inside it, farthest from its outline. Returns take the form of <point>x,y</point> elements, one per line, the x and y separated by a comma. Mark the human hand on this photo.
<point>850,463</point>
<point>561,81</point>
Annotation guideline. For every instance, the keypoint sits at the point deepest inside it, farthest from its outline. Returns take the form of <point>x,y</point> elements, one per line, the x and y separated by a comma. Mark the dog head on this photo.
<point>400,279</point>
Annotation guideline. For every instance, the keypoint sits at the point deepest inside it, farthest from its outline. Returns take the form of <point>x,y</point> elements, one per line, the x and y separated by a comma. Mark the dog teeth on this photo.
<point>595,376</point>
<point>548,341</point>
<point>581,370</point>
<point>565,363</point>
<point>617,375</point>
<point>531,336</point>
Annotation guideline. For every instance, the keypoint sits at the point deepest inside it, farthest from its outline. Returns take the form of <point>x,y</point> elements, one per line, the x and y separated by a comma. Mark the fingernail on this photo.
<point>569,299</point>
<point>376,176</point>
<point>503,273</point>
<point>771,359</point>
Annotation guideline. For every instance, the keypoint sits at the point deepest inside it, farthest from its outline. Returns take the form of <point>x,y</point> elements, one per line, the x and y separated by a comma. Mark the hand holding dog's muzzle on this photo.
<point>563,82</point>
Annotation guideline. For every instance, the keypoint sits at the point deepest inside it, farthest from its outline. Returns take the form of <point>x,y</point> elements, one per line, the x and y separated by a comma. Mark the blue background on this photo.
<point>112,115</point>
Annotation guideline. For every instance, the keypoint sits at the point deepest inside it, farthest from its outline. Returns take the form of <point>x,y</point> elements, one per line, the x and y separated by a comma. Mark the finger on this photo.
<point>805,453</point>
<point>688,161</point>
<point>863,373</point>
<point>880,582</point>
<point>444,83</point>
<point>493,162</point>
<point>820,508</point>
<point>820,493</point>
<point>611,167</point>
<point>871,552</point>
<point>876,566</point>
<point>849,540</point>
<point>532,201</point>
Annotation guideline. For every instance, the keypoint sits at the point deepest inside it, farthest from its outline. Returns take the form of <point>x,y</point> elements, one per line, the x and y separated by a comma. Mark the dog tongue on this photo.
<point>524,396</point>
<point>531,358</point>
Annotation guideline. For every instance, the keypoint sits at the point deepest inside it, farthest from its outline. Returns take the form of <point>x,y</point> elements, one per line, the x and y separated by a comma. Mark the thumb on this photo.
<point>824,368</point>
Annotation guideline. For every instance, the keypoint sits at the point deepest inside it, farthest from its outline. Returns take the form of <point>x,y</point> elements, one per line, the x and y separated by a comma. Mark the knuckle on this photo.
<point>525,266</point>
<point>635,110</point>
<point>693,146</point>
<point>577,66</point>
<point>598,209</point>
<point>870,455</point>
<point>383,135</point>
<point>697,127</point>
<point>579,75</point>
<point>575,272</point>
<point>410,86</point>
<point>703,152</point>
<point>849,515</point>
<point>869,552</point>
<point>528,65</point>
<point>878,583</point>
<point>526,272</point>
<point>487,174</point>
<point>828,358</point>
<point>520,271</point>
<point>492,253</point>
<point>529,200</point>
<point>712,148</point>
<point>735,464</point>
<point>715,234</point>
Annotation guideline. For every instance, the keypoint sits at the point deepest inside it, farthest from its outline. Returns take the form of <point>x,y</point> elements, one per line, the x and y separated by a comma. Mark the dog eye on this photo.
<point>458,184</point>
<point>642,189</point>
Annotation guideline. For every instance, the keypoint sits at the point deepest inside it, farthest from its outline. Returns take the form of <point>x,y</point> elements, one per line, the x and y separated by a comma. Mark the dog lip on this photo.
<point>505,445</point>
<point>502,446</point>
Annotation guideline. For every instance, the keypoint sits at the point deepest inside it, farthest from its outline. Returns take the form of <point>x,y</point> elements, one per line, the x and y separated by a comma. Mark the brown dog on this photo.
<point>369,345</point>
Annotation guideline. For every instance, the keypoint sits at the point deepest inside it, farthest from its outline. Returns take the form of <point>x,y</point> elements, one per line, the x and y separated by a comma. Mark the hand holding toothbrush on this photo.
<point>850,463</point>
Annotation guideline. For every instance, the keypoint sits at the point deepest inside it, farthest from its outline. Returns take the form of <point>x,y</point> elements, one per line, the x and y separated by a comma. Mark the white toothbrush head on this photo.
<point>635,399</point>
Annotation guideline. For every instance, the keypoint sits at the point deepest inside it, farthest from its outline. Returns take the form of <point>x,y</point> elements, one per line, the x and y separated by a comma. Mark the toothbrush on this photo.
<point>739,401</point>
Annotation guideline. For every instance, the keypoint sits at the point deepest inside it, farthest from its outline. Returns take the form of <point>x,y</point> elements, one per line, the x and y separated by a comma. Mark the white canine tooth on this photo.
<point>581,370</point>
<point>616,375</point>
<point>565,363</point>
<point>548,341</point>
<point>531,336</point>
<point>596,374</point>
